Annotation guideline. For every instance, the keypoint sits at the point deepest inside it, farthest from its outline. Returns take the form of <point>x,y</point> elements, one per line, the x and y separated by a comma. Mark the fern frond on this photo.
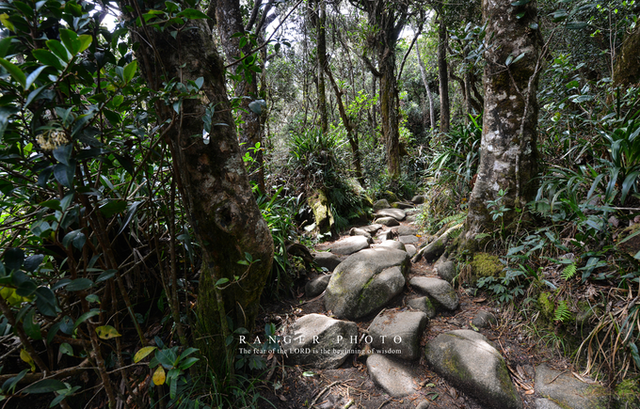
<point>569,271</point>
<point>562,313</point>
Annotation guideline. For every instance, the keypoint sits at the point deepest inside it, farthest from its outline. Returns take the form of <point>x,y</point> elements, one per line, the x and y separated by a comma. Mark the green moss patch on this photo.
<point>486,265</point>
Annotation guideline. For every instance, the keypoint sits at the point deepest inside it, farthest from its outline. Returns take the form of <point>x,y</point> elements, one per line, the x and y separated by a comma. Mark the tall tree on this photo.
<point>386,19</point>
<point>236,41</point>
<point>213,181</point>
<point>509,156</point>
<point>443,73</point>
<point>423,74</point>
<point>321,50</point>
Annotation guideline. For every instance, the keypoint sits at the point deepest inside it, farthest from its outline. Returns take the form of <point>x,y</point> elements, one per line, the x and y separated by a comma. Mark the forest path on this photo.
<point>351,385</point>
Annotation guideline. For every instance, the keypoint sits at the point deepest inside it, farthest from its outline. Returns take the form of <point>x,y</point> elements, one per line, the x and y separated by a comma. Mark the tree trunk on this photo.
<point>352,137</point>
<point>443,74</point>
<point>389,112</point>
<point>228,18</point>
<point>213,182</point>
<point>627,67</point>
<point>322,63</point>
<point>423,73</point>
<point>509,156</point>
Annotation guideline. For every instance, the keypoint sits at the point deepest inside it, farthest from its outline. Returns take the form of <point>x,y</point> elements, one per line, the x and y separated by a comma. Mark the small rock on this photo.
<point>418,199</point>
<point>433,250</point>
<point>381,204</point>
<point>359,232</point>
<point>445,270</point>
<point>392,244</point>
<point>384,236</point>
<point>484,319</point>
<point>350,245</point>
<point>394,377</point>
<point>411,249</point>
<point>397,214</point>
<point>402,205</point>
<point>438,289</point>
<point>387,221</point>
<point>408,239</point>
<point>467,360</point>
<point>568,391</point>
<point>317,285</point>
<point>398,331</point>
<point>372,228</point>
<point>327,260</point>
<point>422,304</point>
<point>323,334</point>
<point>407,230</point>
<point>410,218</point>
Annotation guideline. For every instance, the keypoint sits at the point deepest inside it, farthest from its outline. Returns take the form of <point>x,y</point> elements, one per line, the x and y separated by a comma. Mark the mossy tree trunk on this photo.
<point>321,38</point>
<point>627,67</point>
<point>388,18</point>
<point>228,19</point>
<point>213,181</point>
<point>509,157</point>
<point>443,75</point>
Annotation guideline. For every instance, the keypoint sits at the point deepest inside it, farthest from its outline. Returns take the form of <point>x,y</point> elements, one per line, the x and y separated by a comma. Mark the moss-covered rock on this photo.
<point>486,265</point>
<point>628,394</point>
<point>319,204</point>
<point>545,305</point>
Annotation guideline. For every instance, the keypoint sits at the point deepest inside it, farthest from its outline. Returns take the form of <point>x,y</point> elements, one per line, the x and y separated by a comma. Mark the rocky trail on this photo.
<point>383,327</point>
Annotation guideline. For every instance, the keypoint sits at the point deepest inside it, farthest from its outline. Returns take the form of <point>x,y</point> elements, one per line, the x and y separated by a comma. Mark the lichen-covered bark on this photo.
<point>627,68</point>
<point>322,64</point>
<point>228,18</point>
<point>509,158</point>
<point>389,18</point>
<point>223,212</point>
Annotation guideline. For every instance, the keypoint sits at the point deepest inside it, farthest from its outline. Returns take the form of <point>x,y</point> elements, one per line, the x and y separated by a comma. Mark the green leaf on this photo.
<point>64,175</point>
<point>46,302</point>
<point>63,153</point>
<point>59,50</point>
<point>143,353</point>
<point>576,25</point>
<point>628,183</point>
<point>34,76</point>
<point>130,71</point>
<point>45,386</point>
<point>10,384</point>
<point>84,42</point>
<point>32,262</point>
<point>15,72</point>
<point>79,284</point>
<point>106,276</point>
<point>70,40</point>
<point>221,281</point>
<point>31,328</point>
<point>4,44</point>
<point>13,258</point>
<point>4,18</point>
<point>85,317</point>
<point>199,82</point>
<point>520,3</point>
<point>66,349</point>
<point>113,207</point>
<point>192,14</point>
<point>33,95</point>
<point>48,58</point>
<point>92,298</point>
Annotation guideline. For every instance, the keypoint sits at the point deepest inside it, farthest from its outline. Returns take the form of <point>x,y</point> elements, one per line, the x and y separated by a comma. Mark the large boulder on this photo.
<point>394,377</point>
<point>392,244</point>
<point>422,304</point>
<point>350,245</point>
<point>568,391</point>
<point>319,341</point>
<point>397,214</point>
<point>467,360</point>
<point>366,281</point>
<point>398,332</point>
<point>387,221</point>
<point>438,290</point>
<point>445,269</point>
